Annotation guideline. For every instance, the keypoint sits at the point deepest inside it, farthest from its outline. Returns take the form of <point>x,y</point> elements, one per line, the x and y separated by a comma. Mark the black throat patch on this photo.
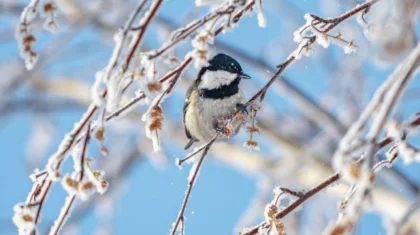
<point>221,92</point>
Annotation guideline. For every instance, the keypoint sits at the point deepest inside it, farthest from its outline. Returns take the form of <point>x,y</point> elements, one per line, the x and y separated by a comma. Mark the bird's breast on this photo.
<point>203,113</point>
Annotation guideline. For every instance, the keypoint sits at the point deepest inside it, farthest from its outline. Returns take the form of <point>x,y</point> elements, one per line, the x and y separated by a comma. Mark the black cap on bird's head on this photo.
<point>220,78</point>
<point>223,62</point>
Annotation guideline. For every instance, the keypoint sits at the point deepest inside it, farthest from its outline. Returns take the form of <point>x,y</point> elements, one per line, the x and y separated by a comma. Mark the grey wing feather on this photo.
<point>193,87</point>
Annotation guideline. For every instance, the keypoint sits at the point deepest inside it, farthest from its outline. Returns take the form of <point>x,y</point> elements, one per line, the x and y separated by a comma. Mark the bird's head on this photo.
<point>222,70</point>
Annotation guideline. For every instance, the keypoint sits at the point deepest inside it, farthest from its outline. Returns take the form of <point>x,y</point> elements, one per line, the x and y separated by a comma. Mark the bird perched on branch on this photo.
<point>213,97</point>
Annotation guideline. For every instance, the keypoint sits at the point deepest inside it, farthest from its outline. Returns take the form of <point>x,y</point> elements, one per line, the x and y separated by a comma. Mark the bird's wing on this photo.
<point>183,118</point>
<point>193,87</point>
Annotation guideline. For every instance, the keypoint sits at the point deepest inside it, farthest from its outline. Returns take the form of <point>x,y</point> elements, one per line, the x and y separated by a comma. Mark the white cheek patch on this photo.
<point>215,79</point>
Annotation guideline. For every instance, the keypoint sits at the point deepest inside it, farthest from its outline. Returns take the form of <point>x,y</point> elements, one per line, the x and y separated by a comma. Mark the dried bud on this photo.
<point>49,7</point>
<point>156,113</point>
<point>86,186</point>
<point>354,170</point>
<point>251,144</point>
<point>173,59</point>
<point>70,185</point>
<point>29,39</point>
<point>270,212</point>
<point>340,228</point>
<point>33,55</point>
<point>23,29</point>
<point>86,189</point>
<point>98,174</point>
<point>104,150</point>
<point>154,86</point>
<point>253,129</point>
<point>102,186</point>
<point>343,205</point>
<point>279,227</point>
<point>27,218</point>
<point>202,54</point>
<point>139,74</point>
<point>155,125</point>
<point>54,175</point>
<point>89,160</point>
<point>372,177</point>
<point>338,36</point>
<point>337,230</point>
<point>24,219</point>
<point>100,134</point>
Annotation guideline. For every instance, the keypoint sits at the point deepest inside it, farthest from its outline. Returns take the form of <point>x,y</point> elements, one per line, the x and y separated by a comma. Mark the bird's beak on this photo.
<point>243,75</point>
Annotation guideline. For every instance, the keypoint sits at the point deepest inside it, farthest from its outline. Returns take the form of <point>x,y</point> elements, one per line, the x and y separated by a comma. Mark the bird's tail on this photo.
<point>191,142</point>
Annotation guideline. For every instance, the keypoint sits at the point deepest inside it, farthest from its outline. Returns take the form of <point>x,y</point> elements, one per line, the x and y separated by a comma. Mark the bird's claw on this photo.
<point>220,129</point>
<point>226,131</point>
<point>242,108</point>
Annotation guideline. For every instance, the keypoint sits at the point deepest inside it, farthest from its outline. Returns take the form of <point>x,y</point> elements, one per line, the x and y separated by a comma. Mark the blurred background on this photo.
<point>302,119</point>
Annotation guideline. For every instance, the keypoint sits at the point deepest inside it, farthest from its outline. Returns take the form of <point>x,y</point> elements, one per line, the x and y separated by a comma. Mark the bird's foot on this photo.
<point>224,130</point>
<point>242,108</point>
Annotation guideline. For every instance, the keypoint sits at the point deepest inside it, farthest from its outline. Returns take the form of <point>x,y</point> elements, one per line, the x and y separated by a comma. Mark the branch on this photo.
<point>191,180</point>
<point>137,40</point>
<point>65,210</point>
<point>324,184</point>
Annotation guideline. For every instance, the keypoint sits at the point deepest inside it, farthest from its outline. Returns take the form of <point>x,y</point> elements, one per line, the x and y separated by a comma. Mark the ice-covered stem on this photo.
<point>24,38</point>
<point>179,162</point>
<point>251,143</point>
<point>184,32</point>
<point>144,23</point>
<point>58,158</point>
<point>126,107</point>
<point>188,58</point>
<point>45,9</point>
<point>115,78</point>
<point>382,104</point>
<point>295,204</point>
<point>191,180</point>
<point>332,23</point>
<point>44,180</point>
<point>120,40</point>
<point>65,210</point>
<point>402,76</point>
<point>327,182</point>
<point>389,94</point>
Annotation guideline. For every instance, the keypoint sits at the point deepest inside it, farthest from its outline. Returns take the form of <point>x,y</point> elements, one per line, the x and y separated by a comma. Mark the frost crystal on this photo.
<point>193,172</point>
<point>64,215</point>
<point>200,43</point>
<point>408,153</point>
<point>262,21</point>
<point>23,35</point>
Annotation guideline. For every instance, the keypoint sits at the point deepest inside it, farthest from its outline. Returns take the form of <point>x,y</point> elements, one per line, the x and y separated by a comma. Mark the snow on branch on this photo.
<point>195,169</point>
<point>302,197</point>
<point>45,9</point>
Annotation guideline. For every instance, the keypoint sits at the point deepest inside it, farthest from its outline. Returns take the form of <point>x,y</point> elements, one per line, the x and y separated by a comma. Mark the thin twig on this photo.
<point>137,40</point>
<point>71,197</point>
<point>330,180</point>
<point>191,184</point>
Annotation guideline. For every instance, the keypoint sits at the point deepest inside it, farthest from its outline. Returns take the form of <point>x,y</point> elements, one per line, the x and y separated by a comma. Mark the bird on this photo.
<point>213,96</point>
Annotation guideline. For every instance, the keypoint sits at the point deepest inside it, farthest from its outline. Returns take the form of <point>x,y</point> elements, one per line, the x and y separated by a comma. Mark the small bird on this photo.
<point>212,97</point>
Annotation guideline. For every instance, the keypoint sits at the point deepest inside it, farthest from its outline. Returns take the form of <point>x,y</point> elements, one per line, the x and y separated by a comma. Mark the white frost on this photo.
<point>262,20</point>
